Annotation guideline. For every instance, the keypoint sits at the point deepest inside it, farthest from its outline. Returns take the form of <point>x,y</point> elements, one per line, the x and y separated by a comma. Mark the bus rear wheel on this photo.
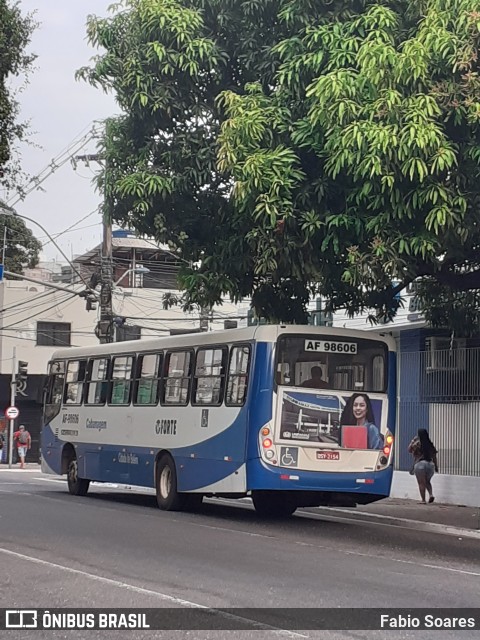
<point>76,486</point>
<point>273,504</point>
<point>168,498</point>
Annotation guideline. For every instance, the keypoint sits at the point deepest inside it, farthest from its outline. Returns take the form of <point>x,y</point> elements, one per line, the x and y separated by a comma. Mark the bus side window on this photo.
<point>177,377</point>
<point>54,393</point>
<point>75,380</point>
<point>209,376</point>
<point>121,380</point>
<point>237,376</point>
<point>147,379</point>
<point>97,386</point>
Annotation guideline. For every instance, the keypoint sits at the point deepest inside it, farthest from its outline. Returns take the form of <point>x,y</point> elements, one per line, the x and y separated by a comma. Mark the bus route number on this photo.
<point>331,346</point>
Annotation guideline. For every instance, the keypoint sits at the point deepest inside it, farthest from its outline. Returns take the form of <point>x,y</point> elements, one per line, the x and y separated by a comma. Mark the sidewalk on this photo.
<point>442,514</point>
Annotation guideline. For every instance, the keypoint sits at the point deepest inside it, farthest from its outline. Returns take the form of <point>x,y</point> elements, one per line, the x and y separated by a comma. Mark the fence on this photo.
<point>440,390</point>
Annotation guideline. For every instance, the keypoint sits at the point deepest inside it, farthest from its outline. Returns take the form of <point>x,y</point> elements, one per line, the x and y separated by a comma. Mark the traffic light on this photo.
<point>22,370</point>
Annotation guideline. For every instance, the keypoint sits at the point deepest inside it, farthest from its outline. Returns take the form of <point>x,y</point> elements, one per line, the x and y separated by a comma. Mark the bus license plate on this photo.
<point>328,455</point>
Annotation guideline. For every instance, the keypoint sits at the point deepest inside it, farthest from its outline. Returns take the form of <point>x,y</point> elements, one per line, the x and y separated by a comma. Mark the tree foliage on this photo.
<point>15,33</point>
<point>291,148</point>
<point>22,249</point>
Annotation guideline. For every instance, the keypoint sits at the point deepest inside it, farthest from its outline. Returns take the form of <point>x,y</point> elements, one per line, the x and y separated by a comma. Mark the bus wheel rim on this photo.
<point>73,471</point>
<point>165,482</point>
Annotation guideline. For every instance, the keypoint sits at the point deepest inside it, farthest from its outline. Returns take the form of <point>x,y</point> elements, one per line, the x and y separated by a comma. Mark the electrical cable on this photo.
<point>44,311</point>
<point>12,212</point>
<point>62,158</point>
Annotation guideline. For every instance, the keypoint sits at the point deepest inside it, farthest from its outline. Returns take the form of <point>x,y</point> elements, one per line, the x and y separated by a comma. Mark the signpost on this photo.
<point>12,413</point>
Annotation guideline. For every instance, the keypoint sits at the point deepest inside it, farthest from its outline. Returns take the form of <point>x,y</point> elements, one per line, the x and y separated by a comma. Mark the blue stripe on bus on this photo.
<point>261,476</point>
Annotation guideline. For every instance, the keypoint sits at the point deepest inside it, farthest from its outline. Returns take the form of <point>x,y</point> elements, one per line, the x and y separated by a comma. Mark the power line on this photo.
<point>28,301</point>
<point>72,227</point>
<point>14,213</point>
<point>62,158</point>
<point>43,311</point>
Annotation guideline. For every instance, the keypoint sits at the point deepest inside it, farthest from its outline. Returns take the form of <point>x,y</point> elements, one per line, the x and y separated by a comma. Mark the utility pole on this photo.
<point>13,389</point>
<point>205,317</point>
<point>104,329</point>
<point>4,244</point>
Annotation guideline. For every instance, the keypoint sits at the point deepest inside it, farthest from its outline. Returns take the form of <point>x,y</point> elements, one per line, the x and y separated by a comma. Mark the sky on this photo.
<point>60,109</point>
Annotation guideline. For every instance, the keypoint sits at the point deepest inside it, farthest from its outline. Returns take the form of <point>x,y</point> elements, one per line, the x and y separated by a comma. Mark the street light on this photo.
<point>138,270</point>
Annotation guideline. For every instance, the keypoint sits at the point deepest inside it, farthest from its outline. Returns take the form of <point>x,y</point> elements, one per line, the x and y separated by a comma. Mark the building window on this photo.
<point>209,376</point>
<point>237,376</point>
<point>54,334</point>
<point>149,369</point>
<point>177,378</point>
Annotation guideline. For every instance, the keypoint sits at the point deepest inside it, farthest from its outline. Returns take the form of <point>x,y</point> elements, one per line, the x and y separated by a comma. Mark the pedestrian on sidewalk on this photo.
<point>424,463</point>
<point>2,445</point>
<point>24,442</point>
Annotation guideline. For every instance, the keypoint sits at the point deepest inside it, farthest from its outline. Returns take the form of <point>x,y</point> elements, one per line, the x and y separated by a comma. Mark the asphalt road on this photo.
<point>114,548</point>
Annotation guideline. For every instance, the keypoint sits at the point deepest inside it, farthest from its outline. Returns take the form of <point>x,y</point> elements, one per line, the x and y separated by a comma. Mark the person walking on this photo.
<point>24,442</point>
<point>424,463</point>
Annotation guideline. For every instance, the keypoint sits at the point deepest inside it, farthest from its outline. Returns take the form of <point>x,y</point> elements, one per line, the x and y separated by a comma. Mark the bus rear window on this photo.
<point>332,362</point>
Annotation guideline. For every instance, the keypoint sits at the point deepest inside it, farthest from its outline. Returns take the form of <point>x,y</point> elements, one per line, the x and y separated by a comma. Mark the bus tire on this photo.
<point>76,486</point>
<point>168,498</point>
<point>273,504</point>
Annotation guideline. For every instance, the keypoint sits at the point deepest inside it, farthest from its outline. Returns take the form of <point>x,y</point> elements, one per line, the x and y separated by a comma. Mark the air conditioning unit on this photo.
<point>444,354</point>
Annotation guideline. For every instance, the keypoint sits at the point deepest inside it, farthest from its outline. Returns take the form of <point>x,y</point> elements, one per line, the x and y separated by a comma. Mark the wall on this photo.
<point>448,489</point>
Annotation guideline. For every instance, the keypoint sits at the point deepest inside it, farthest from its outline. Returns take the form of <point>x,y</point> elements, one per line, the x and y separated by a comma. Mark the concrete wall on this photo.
<point>447,489</point>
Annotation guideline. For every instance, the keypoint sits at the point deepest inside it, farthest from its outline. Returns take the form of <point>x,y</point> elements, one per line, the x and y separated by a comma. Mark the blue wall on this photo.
<point>413,413</point>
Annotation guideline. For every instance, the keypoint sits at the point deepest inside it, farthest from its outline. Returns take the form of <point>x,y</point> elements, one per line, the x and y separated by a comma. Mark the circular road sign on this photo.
<point>12,413</point>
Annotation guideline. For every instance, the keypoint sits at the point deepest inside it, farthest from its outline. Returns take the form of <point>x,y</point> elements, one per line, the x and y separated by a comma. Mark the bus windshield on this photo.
<point>332,362</point>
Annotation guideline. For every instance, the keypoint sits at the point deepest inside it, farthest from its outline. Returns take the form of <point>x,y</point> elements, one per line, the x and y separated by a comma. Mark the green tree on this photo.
<point>293,148</point>
<point>22,249</point>
<point>15,33</point>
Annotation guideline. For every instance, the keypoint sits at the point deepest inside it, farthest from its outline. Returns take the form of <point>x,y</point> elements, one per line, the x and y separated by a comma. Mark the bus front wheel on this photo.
<point>77,486</point>
<point>273,504</point>
<point>168,498</point>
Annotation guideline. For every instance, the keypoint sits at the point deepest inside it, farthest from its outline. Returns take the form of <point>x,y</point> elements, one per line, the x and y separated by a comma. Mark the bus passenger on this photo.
<point>316,381</point>
<point>358,411</point>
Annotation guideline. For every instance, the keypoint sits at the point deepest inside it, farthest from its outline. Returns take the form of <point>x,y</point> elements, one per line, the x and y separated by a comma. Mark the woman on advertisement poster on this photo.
<point>358,412</point>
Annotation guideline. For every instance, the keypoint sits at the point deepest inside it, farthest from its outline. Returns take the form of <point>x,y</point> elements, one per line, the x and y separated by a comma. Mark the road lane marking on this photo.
<point>158,594</point>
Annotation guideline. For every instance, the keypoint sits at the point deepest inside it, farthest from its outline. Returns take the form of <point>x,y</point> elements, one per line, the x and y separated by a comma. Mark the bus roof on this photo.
<point>264,333</point>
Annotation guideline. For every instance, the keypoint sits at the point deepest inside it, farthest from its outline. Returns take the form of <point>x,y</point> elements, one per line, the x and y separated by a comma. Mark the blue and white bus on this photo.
<point>292,416</point>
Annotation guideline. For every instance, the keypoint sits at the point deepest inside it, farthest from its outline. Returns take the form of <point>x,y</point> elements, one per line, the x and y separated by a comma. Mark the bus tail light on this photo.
<point>386,451</point>
<point>268,450</point>
<point>388,446</point>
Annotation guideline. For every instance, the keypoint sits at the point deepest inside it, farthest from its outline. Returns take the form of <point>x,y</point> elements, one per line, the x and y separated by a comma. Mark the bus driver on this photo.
<point>316,381</point>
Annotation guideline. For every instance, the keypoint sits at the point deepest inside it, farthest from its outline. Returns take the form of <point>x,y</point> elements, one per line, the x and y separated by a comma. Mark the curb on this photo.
<point>406,523</point>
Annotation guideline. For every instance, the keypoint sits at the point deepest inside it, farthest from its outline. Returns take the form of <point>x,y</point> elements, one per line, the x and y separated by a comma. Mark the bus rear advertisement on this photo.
<point>292,416</point>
